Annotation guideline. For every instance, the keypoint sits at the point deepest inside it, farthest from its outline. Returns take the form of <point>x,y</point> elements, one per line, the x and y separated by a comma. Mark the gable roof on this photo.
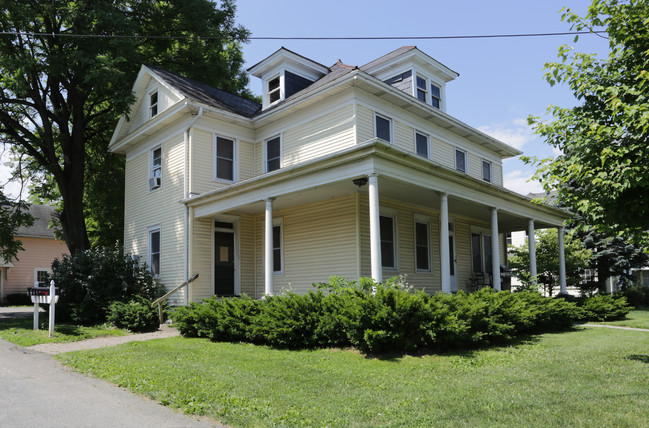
<point>206,94</point>
<point>405,52</point>
<point>42,214</point>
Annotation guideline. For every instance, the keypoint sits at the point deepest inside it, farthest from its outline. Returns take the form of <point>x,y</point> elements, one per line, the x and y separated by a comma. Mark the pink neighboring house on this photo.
<point>35,261</point>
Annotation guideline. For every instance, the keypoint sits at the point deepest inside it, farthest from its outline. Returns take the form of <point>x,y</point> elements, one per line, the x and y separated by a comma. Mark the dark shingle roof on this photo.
<point>42,215</point>
<point>387,57</point>
<point>206,94</point>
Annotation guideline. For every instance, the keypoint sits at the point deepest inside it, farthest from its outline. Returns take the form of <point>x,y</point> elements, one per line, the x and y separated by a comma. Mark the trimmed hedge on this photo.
<point>387,318</point>
<point>136,315</point>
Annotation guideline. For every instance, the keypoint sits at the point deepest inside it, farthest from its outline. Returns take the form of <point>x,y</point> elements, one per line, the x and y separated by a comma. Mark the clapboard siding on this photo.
<point>201,259</point>
<point>364,124</point>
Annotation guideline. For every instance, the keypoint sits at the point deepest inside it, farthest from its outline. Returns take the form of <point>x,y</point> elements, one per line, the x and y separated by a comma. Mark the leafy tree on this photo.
<point>603,171</point>
<point>66,70</point>
<point>547,260</point>
<point>13,215</point>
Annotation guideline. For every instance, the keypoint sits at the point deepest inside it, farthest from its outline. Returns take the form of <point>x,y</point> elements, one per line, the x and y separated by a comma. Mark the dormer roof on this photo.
<point>285,57</point>
<point>409,54</point>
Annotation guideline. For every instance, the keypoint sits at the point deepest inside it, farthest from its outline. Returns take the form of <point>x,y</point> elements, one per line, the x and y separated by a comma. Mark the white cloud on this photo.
<point>516,133</point>
<point>519,181</point>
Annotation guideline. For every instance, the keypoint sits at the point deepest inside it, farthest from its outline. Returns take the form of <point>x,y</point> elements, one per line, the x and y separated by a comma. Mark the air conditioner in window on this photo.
<point>154,182</point>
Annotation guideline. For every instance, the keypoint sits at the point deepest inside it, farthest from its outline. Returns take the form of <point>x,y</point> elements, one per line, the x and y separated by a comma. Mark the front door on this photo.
<point>224,263</point>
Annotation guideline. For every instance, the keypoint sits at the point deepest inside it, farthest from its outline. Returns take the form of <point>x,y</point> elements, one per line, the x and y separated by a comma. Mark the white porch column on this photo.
<point>375,229</point>
<point>532,247</point>
<point>562,262</point>
<point>444,245</point>
<point>495,249</point>
<point>268,248</point>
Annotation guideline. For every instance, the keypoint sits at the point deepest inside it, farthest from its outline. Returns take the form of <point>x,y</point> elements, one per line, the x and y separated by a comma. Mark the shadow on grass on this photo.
<point>28,324</point>
<point>641,358</point>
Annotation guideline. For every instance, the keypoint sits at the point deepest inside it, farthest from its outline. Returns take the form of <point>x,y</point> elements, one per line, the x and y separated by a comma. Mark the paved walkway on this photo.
<point>614,326</point>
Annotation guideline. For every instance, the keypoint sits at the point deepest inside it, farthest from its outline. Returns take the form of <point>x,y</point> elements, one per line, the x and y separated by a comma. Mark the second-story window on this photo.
<point>384,128</point>
<point>460,160</point>
<point>486,171</point>
<point>274,90</point>
<point>421,144</point>
<point>224,158</point>
<point>435,95</point>
<point>153,103</point>
<point>273,154</point>
<point>155,178</point>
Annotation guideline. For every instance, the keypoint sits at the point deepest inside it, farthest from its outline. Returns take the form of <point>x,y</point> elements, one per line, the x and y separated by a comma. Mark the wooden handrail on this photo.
<point>163,298</point>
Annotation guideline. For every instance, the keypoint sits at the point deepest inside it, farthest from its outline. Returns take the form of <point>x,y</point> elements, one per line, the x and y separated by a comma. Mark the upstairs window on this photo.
<point>274,90</point>
<point>153,104</point>
<point>383,128</point>
<point>435,95</point>
<point>155,178</point>
<point>486,171</point>
<point>460,160</point>
<point>421,144</point>
<point>224,158</point>
<point>273,154</point>
<point>422,84</point>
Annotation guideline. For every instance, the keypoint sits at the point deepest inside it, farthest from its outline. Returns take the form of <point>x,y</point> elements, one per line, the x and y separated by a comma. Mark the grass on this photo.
<point>582,378</point>
<point>20,331</point>
<point>638,318</point>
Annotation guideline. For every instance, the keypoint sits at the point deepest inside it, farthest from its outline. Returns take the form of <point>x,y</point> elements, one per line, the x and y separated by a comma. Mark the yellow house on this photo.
<point>342,170</point>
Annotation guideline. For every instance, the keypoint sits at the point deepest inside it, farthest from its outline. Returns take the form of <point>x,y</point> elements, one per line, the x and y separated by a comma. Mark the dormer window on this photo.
<point>274,89</point>
<point>422,85</point>
<point>436,95</point>
<point>153,103</point>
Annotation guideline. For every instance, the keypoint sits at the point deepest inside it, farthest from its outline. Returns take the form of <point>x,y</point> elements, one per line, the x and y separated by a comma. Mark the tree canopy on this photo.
<point>66,70</point>
<point>603,170</point>
<point>13,215</point>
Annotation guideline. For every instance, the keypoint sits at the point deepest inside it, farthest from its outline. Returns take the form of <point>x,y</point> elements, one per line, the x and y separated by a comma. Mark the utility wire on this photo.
<point>139,36</point>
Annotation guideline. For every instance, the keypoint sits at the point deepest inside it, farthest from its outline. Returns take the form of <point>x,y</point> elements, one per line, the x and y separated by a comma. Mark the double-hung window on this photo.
<point>388,247</point>
<point>422,86</point>
<point>486,171</point>
<point>277,248</point>
<point>273,153</point>
<point>383,128</point>
<point>481,253</point>
<point>435,95</point>
<point>41,276</point>
<point>154,251</point>
<point>422,246</point>
<point>421,143</point>
<point>153,104</point>
<point>460,160</point>
<point>224,158</point>
<point>155,176</point>
<point>274,90</point>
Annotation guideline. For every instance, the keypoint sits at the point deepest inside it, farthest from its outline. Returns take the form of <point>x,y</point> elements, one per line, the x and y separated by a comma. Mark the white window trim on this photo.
<point>281,90</point>
<point>427,94</point>
<point>392,213</point>
<point>151,168</point>
<point>235,162</point>
<point>418,218</point>
<point>228,218</point>
<point>279,221</point>
<point>466,160</point>
<point>266,152</point>
<point>389,119</point>
<point>40,269</point>
<point>151,230</point>
<point>428,143</point>
<point>491,171</point>
<point>157,104</point>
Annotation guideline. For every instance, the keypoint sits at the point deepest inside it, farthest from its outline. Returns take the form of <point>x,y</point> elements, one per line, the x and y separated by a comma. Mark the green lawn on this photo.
<point>586,377</point>
<point>20,331</point>
<point>638,318</point>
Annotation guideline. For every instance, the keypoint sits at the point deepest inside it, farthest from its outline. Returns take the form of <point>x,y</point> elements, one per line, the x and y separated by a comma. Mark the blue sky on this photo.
<point>501,80</point>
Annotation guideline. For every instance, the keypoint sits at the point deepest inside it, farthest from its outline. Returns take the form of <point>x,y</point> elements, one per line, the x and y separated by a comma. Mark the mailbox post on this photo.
<point>44,295</point>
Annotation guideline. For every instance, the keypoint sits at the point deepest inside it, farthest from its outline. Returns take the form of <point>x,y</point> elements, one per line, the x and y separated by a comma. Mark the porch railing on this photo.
<point>166,296</point>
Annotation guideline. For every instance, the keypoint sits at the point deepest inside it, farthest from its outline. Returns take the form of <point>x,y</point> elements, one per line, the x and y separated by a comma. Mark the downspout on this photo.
<point>185,195</point>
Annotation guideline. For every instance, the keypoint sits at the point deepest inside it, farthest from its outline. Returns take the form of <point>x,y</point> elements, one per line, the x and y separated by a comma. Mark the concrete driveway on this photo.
<point>37,390</point>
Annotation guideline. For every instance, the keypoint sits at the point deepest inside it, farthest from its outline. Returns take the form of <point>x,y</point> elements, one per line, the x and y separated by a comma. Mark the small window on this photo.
<point>460,160</point>
<point>277,249</point>
<point>274,93</point>
<point>435,96</point>
<point>486,171</point>
<point>476,253</point>
<point>224,158</point>
<point>153,103</point>
<point>273,154</point>
<point>154,252</point>
<point>384,128</point>
<point>422,84</point>
<point>41,276</point>
<point>421,142</point>
<point>387,242</point>
<point>422,246</point>
<point>155,179</point>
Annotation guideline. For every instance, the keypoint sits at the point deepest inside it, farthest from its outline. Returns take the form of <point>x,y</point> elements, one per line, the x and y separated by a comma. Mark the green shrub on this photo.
<point>17,299</point>
<point>636,295</point>
<point>136,315</point>
<point>90,280</point>
<point>605,307</point>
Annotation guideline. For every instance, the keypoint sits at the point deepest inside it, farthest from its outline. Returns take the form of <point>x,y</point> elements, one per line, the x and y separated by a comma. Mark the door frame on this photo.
<point>227,218</point>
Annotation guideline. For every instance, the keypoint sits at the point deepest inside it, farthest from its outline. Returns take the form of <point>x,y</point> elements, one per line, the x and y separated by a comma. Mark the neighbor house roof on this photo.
<point>40,229</point>
<point>206,94</point>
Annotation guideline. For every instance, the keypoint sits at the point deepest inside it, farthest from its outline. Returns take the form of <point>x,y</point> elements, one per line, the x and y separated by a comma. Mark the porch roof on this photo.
<point>403,176</point>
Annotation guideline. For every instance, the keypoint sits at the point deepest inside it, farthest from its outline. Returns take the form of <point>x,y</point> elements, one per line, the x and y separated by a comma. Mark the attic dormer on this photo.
<point>412,71</point>
<point>285,73</point>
